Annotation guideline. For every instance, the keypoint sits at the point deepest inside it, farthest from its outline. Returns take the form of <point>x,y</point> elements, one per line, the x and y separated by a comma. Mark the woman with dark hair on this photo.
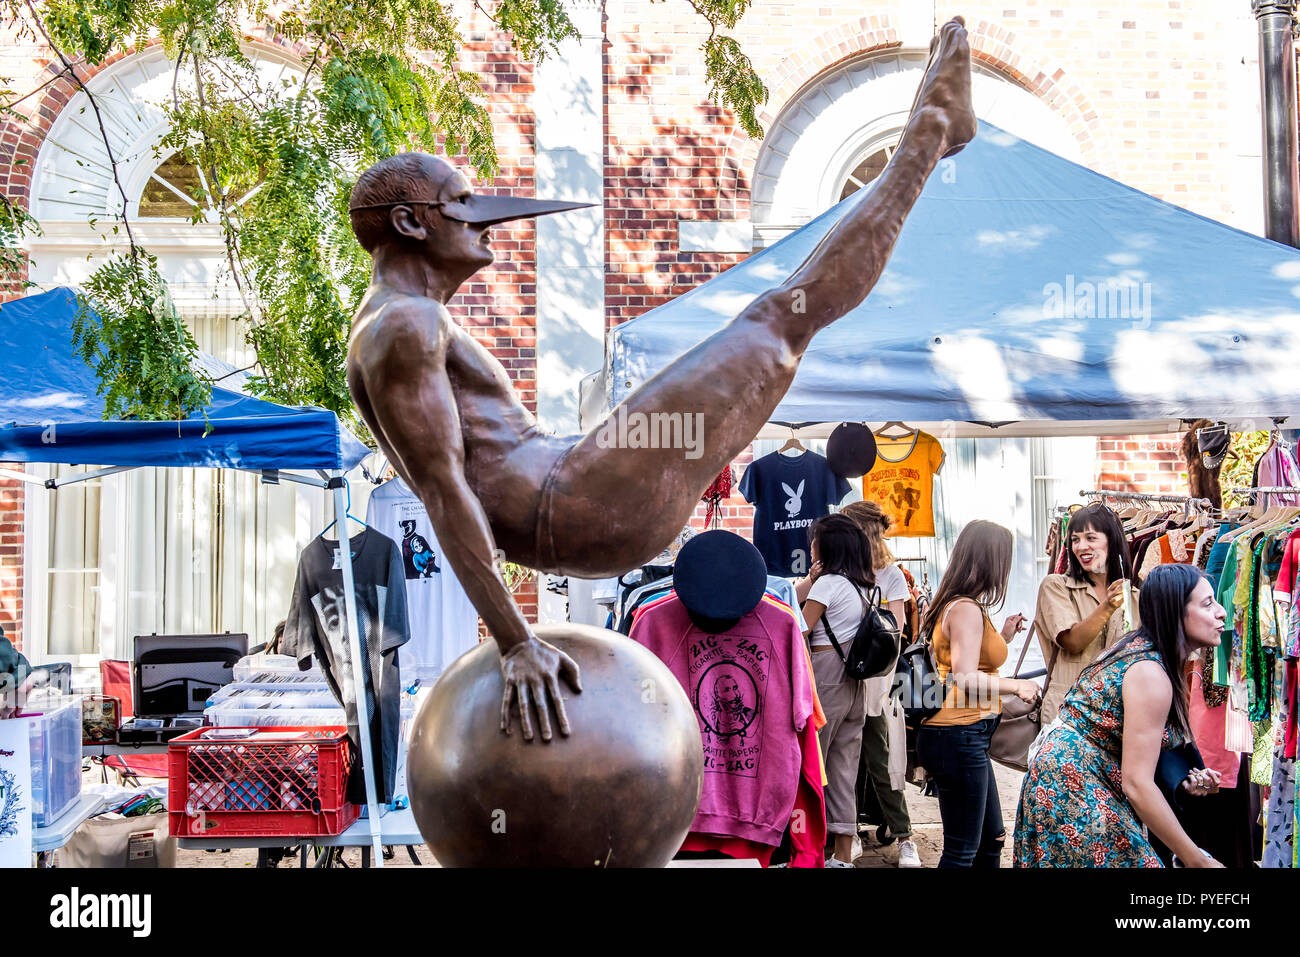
<point>1092,782</point>
<point>1076,618</point>
<point>953,745</point>
<point>873,769</point>
<point>838,589</point>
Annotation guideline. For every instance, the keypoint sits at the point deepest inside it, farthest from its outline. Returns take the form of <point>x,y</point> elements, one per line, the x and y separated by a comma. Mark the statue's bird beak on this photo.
<point>480,210</point>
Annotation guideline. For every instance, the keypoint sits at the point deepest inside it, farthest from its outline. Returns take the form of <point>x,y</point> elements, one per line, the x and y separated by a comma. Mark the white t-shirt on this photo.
<point>443,621</point>
<point>893,587</point>
<point>844,609</point>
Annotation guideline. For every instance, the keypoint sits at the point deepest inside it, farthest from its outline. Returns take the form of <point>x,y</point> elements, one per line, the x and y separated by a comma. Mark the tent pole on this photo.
<point>21,477</point>
<point>359,668</point>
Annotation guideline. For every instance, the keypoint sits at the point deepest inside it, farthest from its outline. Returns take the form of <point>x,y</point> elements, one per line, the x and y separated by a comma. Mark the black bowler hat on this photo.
<point>720,578</point>
<point>851,450</point>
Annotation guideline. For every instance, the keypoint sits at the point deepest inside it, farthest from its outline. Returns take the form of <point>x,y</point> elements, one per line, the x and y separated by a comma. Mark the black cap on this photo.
<point>851,450</point>
<point>720,578</point>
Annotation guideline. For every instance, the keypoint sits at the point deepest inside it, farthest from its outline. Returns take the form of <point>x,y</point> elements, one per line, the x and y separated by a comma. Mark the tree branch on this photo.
<point>99,118</point>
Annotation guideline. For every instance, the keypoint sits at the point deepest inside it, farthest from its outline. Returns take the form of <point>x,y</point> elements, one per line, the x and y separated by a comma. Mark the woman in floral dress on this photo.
<point>1091,795</point>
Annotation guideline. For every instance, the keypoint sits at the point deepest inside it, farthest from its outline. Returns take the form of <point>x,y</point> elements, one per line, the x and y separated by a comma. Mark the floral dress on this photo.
<point>1073,812</point>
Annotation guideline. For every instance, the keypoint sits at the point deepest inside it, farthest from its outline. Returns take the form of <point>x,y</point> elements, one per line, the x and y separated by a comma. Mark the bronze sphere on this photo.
<point>620,791</point>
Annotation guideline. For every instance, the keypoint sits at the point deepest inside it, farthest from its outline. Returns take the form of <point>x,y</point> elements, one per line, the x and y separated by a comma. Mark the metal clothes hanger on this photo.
<point>346,514</point>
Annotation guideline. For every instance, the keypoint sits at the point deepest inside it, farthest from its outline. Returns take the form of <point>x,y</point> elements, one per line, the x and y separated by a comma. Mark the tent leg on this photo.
<point>360,666</point>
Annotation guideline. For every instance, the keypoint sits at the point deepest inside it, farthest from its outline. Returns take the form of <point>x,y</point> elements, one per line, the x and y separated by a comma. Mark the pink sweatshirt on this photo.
<point>752,694</point>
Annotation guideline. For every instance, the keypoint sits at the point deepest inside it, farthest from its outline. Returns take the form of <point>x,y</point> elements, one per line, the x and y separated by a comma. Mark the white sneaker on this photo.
<point>907,854</point>
<point>836,862</point>
<point>857,847</point>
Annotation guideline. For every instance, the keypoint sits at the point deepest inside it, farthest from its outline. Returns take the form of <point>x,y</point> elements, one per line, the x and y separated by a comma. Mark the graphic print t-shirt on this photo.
<point>752,693</point>
<point>902,483</point>
<point>789,493</point>
<point>316,627</point>
<point>444,622</point>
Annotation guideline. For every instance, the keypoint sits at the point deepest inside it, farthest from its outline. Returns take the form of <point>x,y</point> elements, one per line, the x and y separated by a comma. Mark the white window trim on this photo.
<point>109,620</point>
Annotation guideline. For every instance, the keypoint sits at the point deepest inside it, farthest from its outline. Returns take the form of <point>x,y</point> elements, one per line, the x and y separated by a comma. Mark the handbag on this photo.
<point>917,685</point>
<point>876,643</point>
<point>1021,721</point>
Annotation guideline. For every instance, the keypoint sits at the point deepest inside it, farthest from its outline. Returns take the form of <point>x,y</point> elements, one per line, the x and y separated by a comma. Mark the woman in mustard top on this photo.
<point>953,745</point>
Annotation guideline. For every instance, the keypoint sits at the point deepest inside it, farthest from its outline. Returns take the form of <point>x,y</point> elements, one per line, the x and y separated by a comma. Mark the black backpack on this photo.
<point>875,645</point>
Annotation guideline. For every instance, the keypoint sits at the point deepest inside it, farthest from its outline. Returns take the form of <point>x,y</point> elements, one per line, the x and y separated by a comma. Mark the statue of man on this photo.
<point>443,409</point>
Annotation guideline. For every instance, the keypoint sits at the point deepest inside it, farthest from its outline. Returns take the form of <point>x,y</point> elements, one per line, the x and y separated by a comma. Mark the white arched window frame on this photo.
<point>860,106</point>
<point>175,550</point>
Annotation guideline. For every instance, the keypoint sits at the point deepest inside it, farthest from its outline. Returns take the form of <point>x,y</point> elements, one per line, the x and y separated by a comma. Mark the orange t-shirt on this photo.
<point>902,483</point>
<point>993,654</point>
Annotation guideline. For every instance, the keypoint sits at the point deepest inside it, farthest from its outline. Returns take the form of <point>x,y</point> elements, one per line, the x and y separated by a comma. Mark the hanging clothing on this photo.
<point>443,621</point>
<point>1073,812</point>
<point>316,627</point>
<point>789,493</point>
<point>752,694</point>
<point>1277,467</point>
<point>902,483</point>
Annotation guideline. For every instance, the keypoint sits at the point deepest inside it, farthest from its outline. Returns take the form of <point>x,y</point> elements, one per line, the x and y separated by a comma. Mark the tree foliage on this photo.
<point>278,161</point>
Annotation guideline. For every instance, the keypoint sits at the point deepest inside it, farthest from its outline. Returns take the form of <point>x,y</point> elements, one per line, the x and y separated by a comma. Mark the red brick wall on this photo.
<point>11,557</point>
<point>1142,463</point>
<point>498,306</point>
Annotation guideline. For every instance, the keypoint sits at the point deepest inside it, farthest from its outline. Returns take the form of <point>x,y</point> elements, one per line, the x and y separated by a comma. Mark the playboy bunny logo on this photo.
<point>794,504</point>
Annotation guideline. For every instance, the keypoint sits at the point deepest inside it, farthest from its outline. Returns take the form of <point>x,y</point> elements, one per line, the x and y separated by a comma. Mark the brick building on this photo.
<point>1159,94</point>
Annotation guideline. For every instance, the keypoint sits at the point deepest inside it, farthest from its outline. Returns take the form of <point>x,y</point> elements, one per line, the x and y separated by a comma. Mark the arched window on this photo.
<point>874,159</point>
<point>839,131</point>
<point>167,550</point>
<point>177,189</point>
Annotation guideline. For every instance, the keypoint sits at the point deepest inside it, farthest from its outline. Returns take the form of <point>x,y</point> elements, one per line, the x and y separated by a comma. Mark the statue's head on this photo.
<point>422,201</point>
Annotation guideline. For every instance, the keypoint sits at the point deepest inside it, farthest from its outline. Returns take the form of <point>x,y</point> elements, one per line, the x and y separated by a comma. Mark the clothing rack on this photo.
<point>1268,490</point>
<point>1186,501</point>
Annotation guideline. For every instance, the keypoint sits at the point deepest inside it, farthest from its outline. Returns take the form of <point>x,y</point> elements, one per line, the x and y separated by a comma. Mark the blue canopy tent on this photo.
<point>1027,295</point>
<point>50,412</point>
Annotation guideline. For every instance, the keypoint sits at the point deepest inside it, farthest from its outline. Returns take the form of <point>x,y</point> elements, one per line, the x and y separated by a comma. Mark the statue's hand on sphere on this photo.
<point>531,671</point>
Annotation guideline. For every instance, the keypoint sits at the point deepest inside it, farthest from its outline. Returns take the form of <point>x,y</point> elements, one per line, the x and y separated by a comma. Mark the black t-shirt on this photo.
<point>316,627</point>
<point>789,493</point>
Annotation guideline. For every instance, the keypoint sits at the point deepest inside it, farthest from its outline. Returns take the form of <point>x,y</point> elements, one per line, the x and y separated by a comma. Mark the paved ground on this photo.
<point>924,813</point>
<point>928,831</point>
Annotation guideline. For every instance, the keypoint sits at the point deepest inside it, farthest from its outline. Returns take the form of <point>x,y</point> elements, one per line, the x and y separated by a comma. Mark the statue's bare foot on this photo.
<point>945,88</point>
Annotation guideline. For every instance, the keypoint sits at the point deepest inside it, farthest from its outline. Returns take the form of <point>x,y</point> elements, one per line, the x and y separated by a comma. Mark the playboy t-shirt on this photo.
<point>789,493</point>
<point>444,623</point>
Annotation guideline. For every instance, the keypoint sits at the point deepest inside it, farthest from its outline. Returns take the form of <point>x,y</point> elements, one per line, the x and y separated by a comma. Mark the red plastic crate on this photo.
<point>279,781</point>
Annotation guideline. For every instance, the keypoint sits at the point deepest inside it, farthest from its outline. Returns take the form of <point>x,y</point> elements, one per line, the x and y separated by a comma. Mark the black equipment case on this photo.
<point>172,678</point>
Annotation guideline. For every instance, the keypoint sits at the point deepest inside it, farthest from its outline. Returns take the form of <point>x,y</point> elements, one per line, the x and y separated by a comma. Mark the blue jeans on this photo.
<point>957,759</point>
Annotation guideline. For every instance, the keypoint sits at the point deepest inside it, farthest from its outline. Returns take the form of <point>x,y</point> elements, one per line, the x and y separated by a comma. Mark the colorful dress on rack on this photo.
<point>1073,812</point>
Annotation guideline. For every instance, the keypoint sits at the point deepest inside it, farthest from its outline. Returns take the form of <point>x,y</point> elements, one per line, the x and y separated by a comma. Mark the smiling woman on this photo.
<point>1076,618</point>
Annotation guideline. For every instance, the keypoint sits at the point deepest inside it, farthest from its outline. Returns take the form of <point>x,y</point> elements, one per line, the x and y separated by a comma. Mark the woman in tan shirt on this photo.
<point>953,746</point>
<point>1076,618</point>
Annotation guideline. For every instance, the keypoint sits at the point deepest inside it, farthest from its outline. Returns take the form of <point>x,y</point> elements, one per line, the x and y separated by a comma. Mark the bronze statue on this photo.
<point>444,411</point>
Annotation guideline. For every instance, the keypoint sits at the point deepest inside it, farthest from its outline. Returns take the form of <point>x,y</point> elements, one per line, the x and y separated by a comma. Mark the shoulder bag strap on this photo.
<point>826,623</point>
<point>1051,663</point>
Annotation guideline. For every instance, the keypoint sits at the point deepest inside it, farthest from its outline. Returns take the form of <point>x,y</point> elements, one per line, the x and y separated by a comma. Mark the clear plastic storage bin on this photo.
<point>56,756</point>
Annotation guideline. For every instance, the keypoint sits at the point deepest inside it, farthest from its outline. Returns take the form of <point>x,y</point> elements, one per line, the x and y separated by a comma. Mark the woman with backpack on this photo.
<point>894,594</point>
<point>841,582</point>
<point>953,744</point>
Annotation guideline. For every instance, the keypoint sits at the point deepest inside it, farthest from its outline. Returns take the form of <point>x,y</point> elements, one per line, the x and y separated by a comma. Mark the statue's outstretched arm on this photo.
<point>415,413</point>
